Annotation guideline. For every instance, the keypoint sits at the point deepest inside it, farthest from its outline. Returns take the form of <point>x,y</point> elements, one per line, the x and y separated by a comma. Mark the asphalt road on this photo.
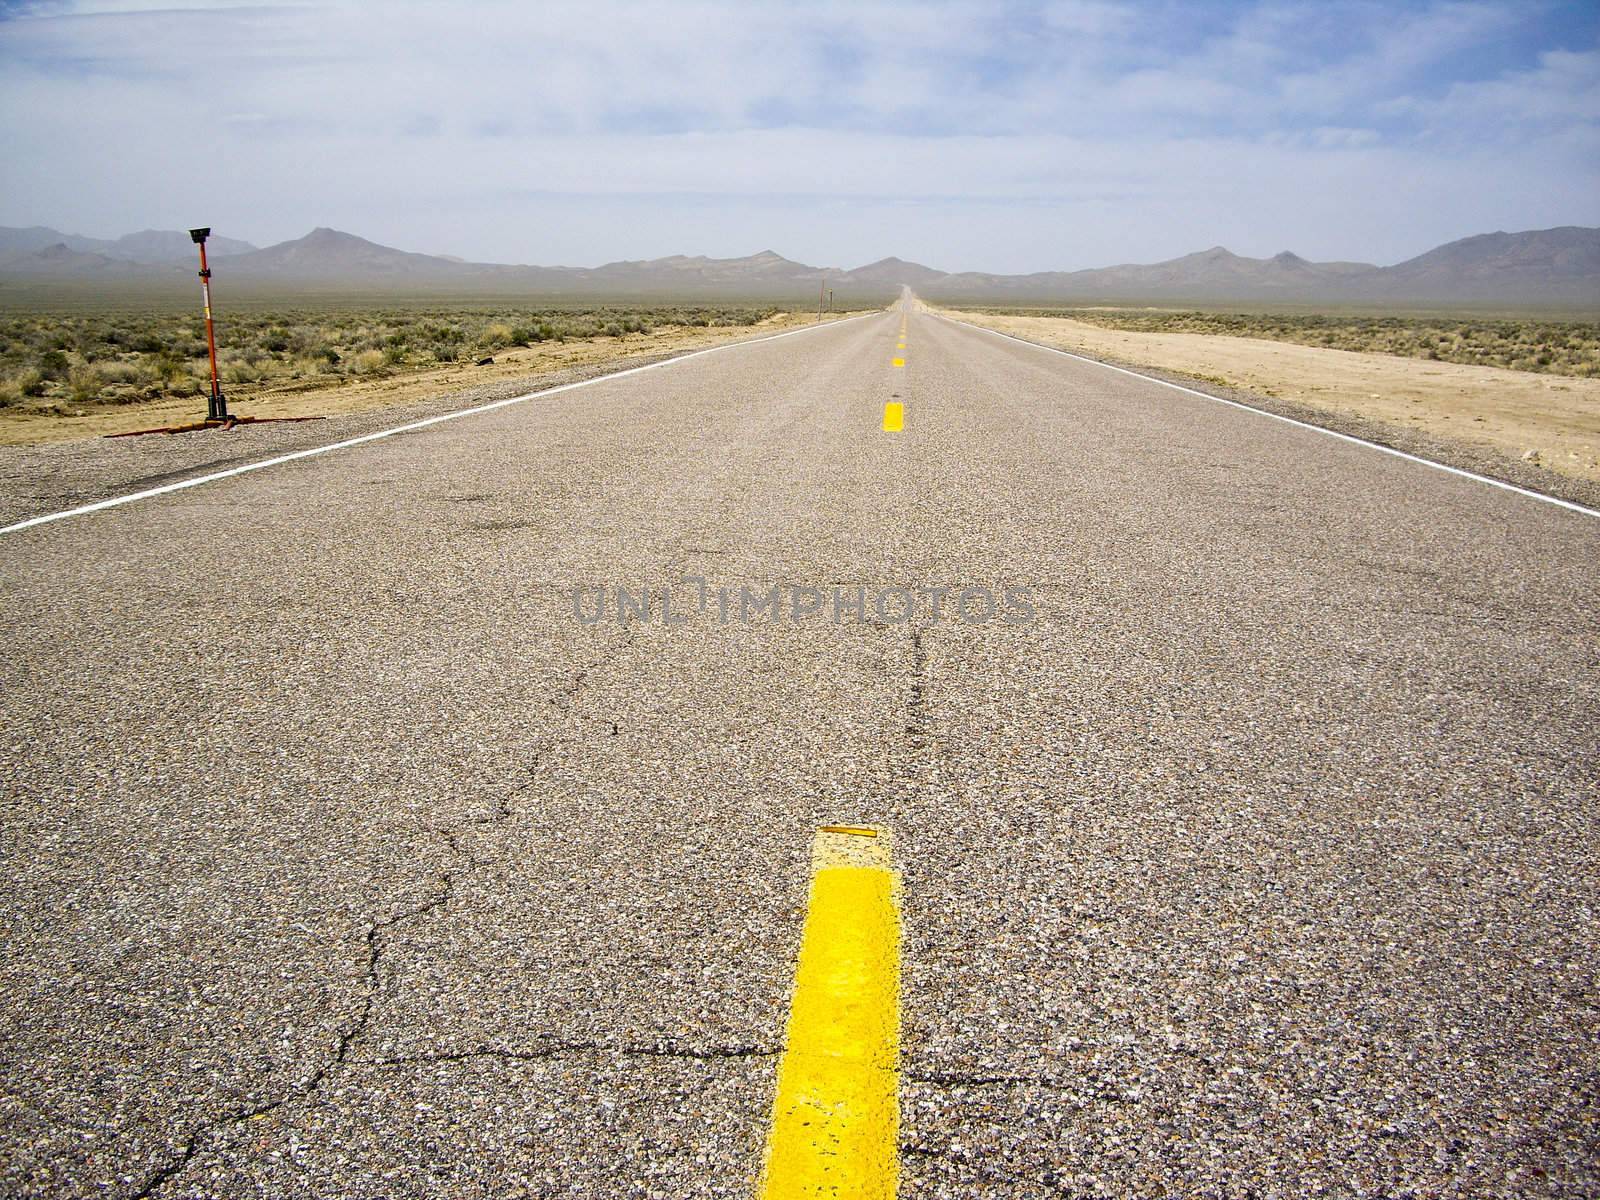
<point>343,859</point>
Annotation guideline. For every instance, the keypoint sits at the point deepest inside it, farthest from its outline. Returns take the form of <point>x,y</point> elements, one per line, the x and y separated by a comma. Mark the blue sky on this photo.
<point>967,135</point>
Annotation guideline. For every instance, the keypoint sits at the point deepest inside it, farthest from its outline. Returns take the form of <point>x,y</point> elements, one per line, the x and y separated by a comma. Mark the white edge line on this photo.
<point>196,481</point>
<point>1333,433</point>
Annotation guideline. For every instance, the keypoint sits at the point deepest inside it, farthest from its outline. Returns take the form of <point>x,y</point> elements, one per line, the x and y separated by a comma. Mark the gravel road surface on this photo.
<point>347,855</point>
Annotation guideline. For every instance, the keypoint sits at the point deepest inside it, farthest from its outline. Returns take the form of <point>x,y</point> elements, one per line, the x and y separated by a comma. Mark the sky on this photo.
<point>965,135</point>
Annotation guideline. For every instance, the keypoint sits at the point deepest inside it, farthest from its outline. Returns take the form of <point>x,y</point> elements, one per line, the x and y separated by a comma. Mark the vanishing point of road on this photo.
<point>1214,802</point>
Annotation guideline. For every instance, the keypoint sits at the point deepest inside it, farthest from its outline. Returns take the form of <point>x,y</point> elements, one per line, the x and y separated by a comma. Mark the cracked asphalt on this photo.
<point>343,858</point>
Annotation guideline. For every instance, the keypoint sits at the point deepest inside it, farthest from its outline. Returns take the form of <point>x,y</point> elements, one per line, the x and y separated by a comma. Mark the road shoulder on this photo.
<point>1456,452</point>
<point>48,477</point>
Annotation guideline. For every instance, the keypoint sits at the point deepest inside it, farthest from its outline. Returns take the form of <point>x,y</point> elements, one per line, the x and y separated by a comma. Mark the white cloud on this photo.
<point>1563,89</point>
<point>963,133</point>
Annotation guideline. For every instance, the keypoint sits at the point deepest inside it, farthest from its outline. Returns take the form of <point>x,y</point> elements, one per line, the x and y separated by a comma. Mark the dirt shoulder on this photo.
<point>1540,431</point>
<point>343,395</point>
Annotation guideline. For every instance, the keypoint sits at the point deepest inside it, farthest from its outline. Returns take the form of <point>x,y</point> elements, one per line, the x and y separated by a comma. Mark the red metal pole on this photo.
<point>217,410</point>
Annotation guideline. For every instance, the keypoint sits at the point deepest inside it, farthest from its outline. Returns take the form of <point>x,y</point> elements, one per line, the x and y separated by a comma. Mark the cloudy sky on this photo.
<point>982,135</point>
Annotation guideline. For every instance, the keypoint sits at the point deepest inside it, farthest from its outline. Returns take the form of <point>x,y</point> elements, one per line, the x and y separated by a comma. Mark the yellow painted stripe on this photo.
<point>899,362</point>
<point>837,1115</point>
<point>894,416</point>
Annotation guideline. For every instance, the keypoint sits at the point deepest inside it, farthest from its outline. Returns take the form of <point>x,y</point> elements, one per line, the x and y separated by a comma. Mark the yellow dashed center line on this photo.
<point>837,1115</point>
<point>894,411</point>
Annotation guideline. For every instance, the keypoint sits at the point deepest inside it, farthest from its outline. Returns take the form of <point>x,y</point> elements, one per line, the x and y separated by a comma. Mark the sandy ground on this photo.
<point>1551,420</point>
<point>324,396</point>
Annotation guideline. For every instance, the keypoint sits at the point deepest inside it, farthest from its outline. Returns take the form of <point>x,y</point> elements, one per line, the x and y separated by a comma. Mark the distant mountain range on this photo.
<point>1546,266</point>
<point>151,246</point>
<point>1541,266</point>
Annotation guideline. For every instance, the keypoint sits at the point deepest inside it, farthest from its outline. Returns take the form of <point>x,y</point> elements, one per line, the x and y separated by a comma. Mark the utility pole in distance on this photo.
<point>822,290</point>
<point>217,410</point>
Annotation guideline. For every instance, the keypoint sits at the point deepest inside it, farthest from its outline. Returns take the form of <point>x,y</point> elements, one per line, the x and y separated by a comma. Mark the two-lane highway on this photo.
<point>434,816</point>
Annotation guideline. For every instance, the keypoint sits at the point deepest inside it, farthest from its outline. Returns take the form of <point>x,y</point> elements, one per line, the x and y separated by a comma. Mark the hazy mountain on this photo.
<point>891,271</point>
<point>330,259</point>
<point>1213,273</point>
<point>171,245</point>
<point>1548,266</point>
<point>1561,263</point>
<point>17,242</point>
<point>1540,266</point>
<point>767,267</point>
<point>60,261</point>
<point>148,246</point>
<point>329,254</point>
<point>1220,270</point>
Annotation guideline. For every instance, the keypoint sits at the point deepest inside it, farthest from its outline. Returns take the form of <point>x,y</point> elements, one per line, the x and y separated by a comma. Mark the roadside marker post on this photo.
<point>217,409</point>
<point>217,416</point>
